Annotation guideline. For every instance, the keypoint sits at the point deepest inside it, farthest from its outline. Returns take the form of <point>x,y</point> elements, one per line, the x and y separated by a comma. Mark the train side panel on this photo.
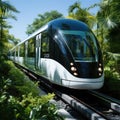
<point>55,72</point>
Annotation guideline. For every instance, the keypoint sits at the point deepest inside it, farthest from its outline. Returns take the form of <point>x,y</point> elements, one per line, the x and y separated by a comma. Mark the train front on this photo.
<point>84,59</point>
<point>85,65</point>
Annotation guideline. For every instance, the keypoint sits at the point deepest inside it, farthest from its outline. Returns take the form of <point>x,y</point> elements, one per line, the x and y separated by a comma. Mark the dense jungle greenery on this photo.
<point>19,97</point>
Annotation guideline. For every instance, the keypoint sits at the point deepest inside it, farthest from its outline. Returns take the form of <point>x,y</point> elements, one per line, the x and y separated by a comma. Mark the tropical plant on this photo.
<point>42,20</point>
<point>107,22</point>
<point>6,10</point>
<point>27,107</point>
<point>76,12</point>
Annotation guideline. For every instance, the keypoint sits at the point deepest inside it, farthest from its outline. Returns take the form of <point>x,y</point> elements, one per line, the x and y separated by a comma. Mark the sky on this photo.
<point>29,10</point>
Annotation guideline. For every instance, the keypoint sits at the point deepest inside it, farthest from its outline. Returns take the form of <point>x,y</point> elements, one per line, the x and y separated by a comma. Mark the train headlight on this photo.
<point>73,69</point>
<point>75,73</point>
<point>71,63</point>
<point>100,64</point>
<point>100,69</point>
<point>100,74</point>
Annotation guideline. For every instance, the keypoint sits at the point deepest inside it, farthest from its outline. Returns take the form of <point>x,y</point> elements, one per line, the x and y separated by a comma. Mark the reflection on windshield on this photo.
<point>82,44</point>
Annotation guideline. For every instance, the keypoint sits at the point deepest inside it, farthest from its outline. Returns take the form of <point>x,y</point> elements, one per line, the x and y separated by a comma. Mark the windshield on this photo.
<point>82,45</point>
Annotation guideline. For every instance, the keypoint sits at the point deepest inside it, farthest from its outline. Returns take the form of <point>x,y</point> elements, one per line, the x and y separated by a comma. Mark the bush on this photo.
<point>19,97</point>
<point>29,108</point>
<point>112,76</point>
<point>5,67</point>
<point>39,108</point>
<point>20,83</point>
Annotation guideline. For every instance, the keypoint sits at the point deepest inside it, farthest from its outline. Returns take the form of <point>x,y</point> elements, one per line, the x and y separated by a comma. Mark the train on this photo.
<point>65,52</point>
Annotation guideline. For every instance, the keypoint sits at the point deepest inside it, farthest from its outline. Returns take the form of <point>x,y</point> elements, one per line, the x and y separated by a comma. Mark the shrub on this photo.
<point>27,108</point>
<point>40,107</point>
<point>20,83</point>
<point>112,76</point>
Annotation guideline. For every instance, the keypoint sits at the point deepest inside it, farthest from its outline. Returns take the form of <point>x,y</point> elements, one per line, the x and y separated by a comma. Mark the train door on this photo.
<point>38,51</point>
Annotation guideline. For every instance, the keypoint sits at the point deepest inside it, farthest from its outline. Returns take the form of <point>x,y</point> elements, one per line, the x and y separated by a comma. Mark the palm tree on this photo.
<point>76,12</point>
<point>105,15</point>
<point>107,18</point>
<point>6,10</point>
<point>115,9</point>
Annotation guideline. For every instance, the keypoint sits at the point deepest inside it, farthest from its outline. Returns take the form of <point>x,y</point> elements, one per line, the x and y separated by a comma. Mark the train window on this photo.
<point>31,48</point>
<point>22,50</point>
<point>45,45</point>
<point>13,54</point>
<point>16,51</point>
<point>82,45</point>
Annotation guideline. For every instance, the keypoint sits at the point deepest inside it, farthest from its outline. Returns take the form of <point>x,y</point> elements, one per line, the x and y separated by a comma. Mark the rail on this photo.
<point>95,106</point>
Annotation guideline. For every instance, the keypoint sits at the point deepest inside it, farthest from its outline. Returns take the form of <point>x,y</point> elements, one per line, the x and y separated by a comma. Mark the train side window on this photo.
<point>16,51</point>
<point>31,48</point>
<point>22,54</point>
<point>45,45</point>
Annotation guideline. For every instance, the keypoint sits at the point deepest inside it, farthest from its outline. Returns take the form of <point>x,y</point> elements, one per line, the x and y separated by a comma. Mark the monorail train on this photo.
<point>65,52</point>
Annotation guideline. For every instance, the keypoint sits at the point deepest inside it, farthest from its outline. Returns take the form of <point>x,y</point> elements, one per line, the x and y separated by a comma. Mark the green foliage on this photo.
<point>112,62</point>
<point>112,82</point>
<point>113,39</point>
<point>4,68</point>
<point>108,23</point>
<point>6,10</point>
<point>112,75</point>
<point>111,67</point>
<point>13,40</point>
<point>26,108</point>
<point>76,12</point>
<point>19,97</point>
<point>42,20</point>
<point>40,107</point>
<point>8,104</point>
<point>20,83</point>
<point>110,72</point>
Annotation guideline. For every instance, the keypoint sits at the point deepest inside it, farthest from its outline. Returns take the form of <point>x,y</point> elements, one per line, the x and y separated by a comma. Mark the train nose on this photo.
<point>84,83</point>
<point>89,69</point>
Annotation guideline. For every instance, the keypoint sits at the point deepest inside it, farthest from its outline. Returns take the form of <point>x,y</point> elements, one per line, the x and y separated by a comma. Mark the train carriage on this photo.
<point>64,51</point>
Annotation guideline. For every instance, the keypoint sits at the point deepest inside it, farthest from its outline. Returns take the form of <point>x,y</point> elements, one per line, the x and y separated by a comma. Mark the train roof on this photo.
<point>60,23</point>
<point>67,24</point>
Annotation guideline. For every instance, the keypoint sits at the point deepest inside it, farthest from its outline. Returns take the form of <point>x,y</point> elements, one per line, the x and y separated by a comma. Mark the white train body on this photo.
<point>65,52</point>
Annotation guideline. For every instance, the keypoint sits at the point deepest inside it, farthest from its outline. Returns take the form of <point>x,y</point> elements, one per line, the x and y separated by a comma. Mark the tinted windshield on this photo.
<point>82,44</point>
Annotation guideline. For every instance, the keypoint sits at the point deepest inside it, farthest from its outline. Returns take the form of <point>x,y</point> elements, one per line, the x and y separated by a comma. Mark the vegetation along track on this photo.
<point>91,104</point>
